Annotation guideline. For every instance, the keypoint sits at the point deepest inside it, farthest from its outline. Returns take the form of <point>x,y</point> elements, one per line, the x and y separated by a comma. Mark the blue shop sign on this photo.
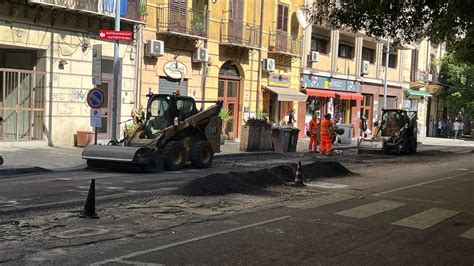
<point>317,82</point>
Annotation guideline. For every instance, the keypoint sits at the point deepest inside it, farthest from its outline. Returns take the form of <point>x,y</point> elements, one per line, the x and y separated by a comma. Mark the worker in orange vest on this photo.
<point>313,138</point>
<point>327,132</point>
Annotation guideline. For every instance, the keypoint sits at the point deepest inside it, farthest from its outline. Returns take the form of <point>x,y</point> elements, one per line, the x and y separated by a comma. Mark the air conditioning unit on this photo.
<point>365,67</point>
<point>200,55</point>
<point>314,56</point>
<point>268,64</point>
<point>154,48</point>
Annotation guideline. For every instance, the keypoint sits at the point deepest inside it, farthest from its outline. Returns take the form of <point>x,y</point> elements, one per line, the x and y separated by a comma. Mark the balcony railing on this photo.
<point>179,20</point>
<point>281,43</point>
<point>239,33</point>
<point>130,9</point>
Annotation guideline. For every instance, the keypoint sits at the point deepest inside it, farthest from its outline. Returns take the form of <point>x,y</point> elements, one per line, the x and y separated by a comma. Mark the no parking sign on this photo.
<point>95,98</point>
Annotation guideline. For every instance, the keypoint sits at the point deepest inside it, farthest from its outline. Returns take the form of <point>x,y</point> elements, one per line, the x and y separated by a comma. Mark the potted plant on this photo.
<point>142,11</point>
<point>224,114</point>
<point>256,134</point>
<point>197,24</point>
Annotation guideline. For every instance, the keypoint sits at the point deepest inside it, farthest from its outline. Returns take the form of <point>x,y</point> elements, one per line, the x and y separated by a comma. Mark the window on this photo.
<point>345,51</point>
<point>392,60</point>
<point>282,20</point>
<point>368,54</point>
<point>319,43</point>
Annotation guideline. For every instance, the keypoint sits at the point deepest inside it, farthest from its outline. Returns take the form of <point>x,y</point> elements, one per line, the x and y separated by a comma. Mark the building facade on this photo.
<point>46,58</point>
<point>344,75</point>
<point>425,94</point>
<point>240,52</point>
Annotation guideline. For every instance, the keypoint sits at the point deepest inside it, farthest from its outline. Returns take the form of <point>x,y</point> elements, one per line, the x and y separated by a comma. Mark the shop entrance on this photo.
<point>229,91</point>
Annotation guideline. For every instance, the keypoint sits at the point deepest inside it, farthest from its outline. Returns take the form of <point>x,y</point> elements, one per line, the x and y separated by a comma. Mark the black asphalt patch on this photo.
<point>255,181</point>
<point>10,172</point>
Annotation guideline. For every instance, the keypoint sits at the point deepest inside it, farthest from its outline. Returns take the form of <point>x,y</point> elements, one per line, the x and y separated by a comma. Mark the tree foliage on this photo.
<point>404,21</point>
<point>459,83</point>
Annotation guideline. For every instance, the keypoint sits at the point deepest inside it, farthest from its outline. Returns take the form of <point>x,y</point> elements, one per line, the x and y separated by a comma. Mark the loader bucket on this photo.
<point>105,156</point>
<point>370,146</point>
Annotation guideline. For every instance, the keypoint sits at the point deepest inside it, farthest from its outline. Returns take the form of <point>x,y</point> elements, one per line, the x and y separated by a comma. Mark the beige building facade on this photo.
<point>46,51</point>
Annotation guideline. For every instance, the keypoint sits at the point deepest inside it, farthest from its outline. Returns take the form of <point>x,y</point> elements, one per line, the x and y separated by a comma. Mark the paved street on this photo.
<point>396,210</point>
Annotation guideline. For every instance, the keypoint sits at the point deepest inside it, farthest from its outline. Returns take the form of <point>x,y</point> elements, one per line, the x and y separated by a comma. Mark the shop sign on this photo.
<point>317,82</point>
<point>175,70</point>
<point>276,80</point>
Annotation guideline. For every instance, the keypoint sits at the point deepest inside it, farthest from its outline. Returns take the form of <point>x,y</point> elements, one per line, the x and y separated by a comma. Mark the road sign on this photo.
<point>97,64</point>
<point>95,98</point>
<point>96,118</point>
<point>116,35</point>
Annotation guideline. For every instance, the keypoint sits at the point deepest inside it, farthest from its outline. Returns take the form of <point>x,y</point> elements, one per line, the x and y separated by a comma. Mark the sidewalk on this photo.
<point>40,156</point>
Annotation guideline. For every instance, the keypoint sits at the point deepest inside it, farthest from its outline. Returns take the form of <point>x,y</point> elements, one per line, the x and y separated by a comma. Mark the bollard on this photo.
<point>89,207</point>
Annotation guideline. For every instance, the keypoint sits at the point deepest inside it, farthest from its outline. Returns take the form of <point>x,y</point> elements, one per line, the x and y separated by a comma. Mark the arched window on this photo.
<point>229,69</point>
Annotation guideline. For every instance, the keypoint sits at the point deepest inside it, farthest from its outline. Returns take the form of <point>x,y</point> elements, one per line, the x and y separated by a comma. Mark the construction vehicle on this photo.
<point>172,133</point>
<point>396,134</point>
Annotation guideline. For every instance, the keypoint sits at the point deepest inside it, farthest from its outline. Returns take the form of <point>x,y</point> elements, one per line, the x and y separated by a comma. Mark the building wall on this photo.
<point>220,52</point>
<point>66,110</point>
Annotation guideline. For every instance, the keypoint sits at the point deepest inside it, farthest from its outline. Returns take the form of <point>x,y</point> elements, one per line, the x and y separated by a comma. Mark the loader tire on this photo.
<point>201,154</point>
<point>174,155</point>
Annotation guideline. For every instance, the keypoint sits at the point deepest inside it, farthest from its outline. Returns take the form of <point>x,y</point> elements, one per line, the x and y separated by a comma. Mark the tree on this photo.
<point>459,83</point>
<point>404,21</point>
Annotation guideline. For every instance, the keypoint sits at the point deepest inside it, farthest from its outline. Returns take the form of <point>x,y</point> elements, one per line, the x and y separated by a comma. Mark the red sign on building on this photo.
<point>113,35</point>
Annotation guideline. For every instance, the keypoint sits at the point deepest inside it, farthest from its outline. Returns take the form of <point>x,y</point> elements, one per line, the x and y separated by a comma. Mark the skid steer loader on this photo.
<point>396,134</point>
<point>173,132</point>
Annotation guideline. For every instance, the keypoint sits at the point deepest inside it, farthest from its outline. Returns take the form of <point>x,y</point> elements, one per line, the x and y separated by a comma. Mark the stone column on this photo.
<point>334,49</point>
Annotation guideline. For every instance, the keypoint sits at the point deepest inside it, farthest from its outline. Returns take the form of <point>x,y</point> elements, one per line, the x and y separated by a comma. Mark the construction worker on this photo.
<point>327,132</point>
<point>313,139</point>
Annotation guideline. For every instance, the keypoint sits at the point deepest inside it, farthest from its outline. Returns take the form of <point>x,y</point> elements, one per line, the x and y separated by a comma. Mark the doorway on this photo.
<point>229,91</point>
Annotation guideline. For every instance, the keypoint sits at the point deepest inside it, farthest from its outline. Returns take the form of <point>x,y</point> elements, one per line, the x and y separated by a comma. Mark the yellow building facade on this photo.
<point>223,50</point>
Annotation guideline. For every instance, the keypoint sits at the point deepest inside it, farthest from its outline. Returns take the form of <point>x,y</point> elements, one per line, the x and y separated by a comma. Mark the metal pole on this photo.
<point>385,80</point>
<point>116,73</point>
<point>259,74</point>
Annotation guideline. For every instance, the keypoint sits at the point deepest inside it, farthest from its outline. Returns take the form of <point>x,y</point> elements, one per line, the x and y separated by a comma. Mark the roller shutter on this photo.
<point>168,86</point>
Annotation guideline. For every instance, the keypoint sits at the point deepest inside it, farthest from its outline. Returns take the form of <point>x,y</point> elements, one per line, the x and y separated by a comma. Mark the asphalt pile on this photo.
<point>255,181</point>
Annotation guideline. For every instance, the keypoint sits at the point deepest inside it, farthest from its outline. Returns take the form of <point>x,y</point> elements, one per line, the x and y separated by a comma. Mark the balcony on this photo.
<point>177,20</point>
<point>281,43</point>
<point>131,10</point>
<point>238,33</point>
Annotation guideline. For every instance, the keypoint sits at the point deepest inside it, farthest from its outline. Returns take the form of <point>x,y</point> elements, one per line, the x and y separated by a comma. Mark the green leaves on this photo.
<point>404,21</point>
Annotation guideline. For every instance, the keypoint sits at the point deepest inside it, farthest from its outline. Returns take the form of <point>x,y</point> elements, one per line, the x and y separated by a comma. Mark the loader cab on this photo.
<point>392,121</point>
<point>163,110</point>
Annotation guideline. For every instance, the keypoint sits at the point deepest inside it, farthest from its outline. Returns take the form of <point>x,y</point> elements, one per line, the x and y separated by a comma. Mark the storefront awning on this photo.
<point>321,93</point>
<point>287,94</point>
<point>411,92</point>
<point>350,96</point>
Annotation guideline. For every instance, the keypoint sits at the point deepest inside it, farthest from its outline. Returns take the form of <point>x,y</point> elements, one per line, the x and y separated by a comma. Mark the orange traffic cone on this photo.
<point>299,175</point>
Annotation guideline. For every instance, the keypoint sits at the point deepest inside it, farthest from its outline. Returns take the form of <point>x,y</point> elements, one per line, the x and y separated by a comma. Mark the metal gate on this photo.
<point>21,104</point>
<point>169,86</point>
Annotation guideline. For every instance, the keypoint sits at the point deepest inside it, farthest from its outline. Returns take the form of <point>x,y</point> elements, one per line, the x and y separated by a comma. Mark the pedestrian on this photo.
<point>456,129</point>
<point>440,127</point>
<point>445,128</point>
<point>461,128</point>
<point>363,126</point>
<point>327,132</point>
<point>450,128</point>
<point>291,118</point>
<point>313,139</point>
